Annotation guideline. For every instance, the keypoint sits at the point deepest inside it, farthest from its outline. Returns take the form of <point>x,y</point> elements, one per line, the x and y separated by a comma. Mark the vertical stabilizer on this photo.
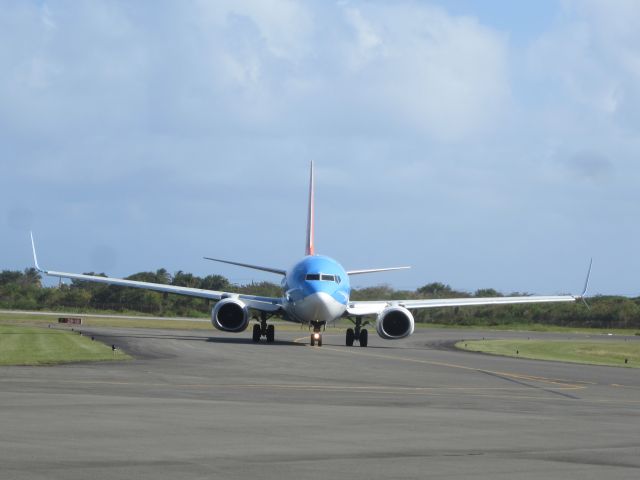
<point>309,249</point>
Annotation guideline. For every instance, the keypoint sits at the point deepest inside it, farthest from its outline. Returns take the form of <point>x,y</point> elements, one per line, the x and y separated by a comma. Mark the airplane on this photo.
<point>315,292</point>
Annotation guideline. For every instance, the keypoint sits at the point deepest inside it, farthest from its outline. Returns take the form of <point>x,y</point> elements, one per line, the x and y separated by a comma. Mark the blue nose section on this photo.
<point>338,293</point>
<point>317,275</point>
<point>317,286</point>
<point>309,287</point>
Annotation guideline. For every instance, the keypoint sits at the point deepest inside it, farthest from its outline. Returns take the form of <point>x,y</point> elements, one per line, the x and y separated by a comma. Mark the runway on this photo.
<point>197,404</point>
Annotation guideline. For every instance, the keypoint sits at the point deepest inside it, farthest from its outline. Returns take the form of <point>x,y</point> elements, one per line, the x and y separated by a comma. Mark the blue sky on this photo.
<point>487,144</point>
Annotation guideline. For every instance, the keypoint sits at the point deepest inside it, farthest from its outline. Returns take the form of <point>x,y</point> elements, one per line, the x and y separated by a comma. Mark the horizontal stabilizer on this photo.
<point>247,265</point>
<point>374,270</point>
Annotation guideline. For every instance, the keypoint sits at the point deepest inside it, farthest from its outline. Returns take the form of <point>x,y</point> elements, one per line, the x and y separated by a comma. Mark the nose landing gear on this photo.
<point>263,330</point>
<point>316,336</point>
<point>358,333</point>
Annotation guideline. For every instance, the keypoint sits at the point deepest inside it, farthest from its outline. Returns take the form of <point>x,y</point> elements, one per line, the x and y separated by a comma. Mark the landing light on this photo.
<point>316,336</point>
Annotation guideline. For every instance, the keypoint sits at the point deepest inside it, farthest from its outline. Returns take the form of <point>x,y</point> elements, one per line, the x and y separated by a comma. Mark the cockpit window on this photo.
<point>338,279</point>
<point>323,277</point>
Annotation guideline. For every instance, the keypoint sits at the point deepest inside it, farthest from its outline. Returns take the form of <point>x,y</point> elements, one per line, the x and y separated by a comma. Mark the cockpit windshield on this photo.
<point>323,277</point>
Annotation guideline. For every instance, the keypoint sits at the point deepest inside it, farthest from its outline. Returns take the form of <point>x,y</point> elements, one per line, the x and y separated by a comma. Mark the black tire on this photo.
<point>364,337</point>
<point>350,337</point>
<point>256,333</point>
<point>320,341</point>
<point>313,341</point>
<point>271,333</point>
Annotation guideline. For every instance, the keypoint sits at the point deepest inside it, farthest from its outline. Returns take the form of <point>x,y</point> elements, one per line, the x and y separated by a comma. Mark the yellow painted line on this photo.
<point>567,384</point>
<point>381,390</point>
<point>265,385</point>
<point>560,384</point>
<point>442,390</point>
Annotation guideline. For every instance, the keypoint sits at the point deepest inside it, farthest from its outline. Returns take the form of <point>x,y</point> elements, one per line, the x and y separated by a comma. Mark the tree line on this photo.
<point>23,290</point>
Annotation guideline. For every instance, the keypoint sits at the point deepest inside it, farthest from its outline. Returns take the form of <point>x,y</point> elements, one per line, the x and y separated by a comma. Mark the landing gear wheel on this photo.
<point>316,336</point>
<point>364,337</point>
<point>350,337</point>
<point>358,334</point>
<point>271,333</point>
<point>256,333</point>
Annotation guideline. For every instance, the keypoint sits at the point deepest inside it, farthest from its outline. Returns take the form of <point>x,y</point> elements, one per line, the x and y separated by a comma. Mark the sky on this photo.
<point>484,143</point>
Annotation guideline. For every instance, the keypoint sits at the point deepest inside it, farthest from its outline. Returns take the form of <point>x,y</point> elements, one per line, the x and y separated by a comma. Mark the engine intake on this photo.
<point>394,323</point>
<point>230,315</point>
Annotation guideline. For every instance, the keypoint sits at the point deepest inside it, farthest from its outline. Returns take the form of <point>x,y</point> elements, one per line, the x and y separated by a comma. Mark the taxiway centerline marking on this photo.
<point>564,385</point>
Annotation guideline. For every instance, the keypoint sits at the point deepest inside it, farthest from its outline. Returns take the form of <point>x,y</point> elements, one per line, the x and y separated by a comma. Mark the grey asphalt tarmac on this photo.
<point>211,405</point>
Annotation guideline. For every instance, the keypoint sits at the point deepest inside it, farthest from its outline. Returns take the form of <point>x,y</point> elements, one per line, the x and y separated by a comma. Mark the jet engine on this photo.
<point>394,322</point>
<point>230,315</point>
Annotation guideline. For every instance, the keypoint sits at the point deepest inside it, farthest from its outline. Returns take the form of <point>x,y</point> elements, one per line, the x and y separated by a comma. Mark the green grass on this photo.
<point>341,325</point>
<point>21,345</point>
<point>603,352</point>
<point>142,322</point>
<point>532,327</point>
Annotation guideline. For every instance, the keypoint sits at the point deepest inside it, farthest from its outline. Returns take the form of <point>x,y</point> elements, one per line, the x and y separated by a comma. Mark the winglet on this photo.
<point>35,257</point>
<point>586,282</point>
<point>309,248</point>
<point>586,285</point>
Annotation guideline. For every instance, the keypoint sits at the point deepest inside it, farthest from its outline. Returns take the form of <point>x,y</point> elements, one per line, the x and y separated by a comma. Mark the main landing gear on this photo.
<point>358,333</point>
<point>263,330</point>
<point>316,336</point>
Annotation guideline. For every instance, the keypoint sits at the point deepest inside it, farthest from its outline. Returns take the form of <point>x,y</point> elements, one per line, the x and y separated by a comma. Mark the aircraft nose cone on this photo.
<point>320,306</point>
<point>320,303</point>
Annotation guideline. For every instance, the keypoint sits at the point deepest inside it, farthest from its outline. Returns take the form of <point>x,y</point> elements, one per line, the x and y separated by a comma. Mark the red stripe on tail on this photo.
<point>309,249</point>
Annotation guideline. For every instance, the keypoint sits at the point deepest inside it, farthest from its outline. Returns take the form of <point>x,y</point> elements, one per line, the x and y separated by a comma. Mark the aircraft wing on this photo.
<point>375,307</point>
<point>265,304</point>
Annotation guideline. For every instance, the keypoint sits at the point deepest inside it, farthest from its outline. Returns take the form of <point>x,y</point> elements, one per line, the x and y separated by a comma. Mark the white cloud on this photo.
<point>443,75</point>
<point>593,53</point>
<point>367,41</point>
<point>285,26</point>
<point>206,66</point>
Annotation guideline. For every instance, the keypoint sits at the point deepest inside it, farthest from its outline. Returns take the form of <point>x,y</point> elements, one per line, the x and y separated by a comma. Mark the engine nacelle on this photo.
<point>230,315</point>
<point>394,323</point>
